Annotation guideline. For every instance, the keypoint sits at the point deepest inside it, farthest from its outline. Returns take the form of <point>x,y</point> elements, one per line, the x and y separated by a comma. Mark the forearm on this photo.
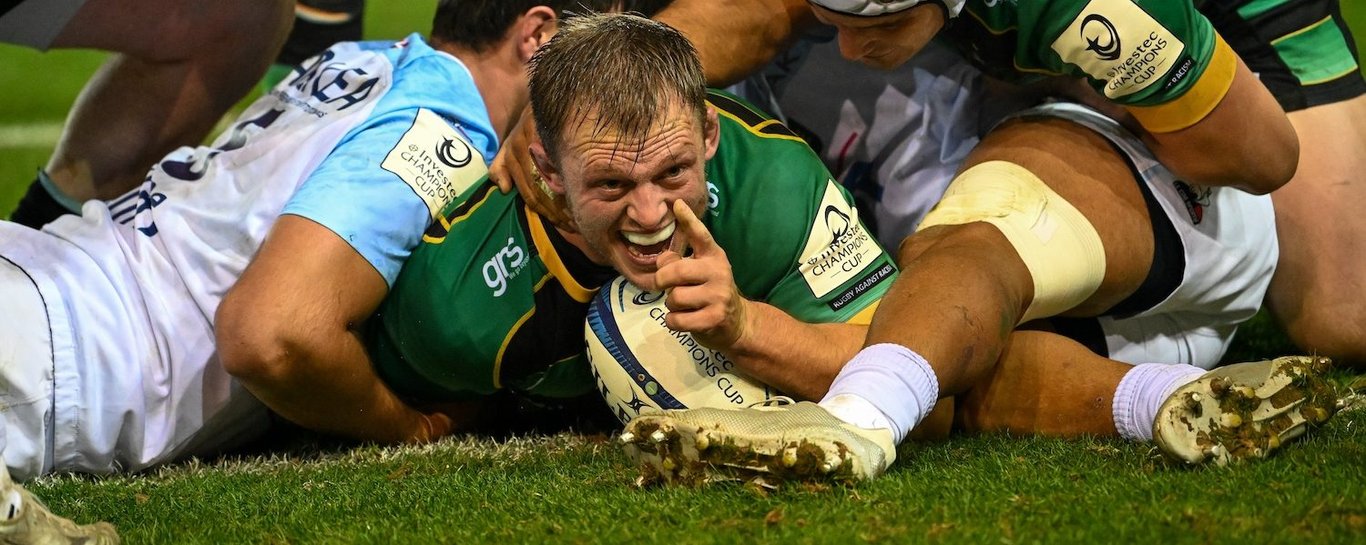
<point>345,398</point>
<point>798,358</point>
<point>735,38</point>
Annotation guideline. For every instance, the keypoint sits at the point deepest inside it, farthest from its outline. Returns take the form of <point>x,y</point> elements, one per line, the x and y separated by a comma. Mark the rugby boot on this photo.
<point>763,444</point>
<point>1245,410</point>
<point>26,521</point>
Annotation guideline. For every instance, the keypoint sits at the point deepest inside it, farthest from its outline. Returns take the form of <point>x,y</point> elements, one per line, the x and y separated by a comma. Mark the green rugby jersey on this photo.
<point>495,299</point>
<point>1136,52</point>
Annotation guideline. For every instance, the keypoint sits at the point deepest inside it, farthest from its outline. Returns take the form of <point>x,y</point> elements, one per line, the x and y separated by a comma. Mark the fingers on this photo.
<point>696,234</point>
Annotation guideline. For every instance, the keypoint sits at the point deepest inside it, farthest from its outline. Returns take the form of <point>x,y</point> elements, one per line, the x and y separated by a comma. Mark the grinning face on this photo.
<point>884,41</point>
<point>620,191</point>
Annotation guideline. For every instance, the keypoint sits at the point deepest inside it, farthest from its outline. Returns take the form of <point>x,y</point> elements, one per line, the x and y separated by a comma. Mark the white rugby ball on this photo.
<point>640,364</point>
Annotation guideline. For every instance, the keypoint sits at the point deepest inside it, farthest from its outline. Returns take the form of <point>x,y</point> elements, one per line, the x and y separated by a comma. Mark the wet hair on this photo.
<point>479,24</point>
<point>622,69</point>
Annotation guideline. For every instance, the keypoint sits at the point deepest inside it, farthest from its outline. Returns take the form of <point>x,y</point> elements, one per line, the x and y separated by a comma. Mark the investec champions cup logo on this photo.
<point>1101,37</point>
<point>1118,43</point>
<point>838,248</point>
<point>454,152</point>
<point>435,161</point>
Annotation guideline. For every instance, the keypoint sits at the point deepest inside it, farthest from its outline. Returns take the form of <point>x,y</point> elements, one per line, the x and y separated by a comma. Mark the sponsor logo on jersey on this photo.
<point>1115,41</point>
<point>838,248</point>
<point>1196,199</point>
<point>504,266</point>
<point>713,198</point>
<point>433,158</point>
<point>864,285</point>
<point>324,83</point>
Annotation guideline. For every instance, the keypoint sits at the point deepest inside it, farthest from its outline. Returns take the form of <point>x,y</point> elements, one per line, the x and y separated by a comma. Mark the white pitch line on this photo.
<point>30,135</point>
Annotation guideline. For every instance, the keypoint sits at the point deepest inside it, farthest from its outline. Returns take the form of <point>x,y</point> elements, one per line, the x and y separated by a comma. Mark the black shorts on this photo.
<point>1301,49</point>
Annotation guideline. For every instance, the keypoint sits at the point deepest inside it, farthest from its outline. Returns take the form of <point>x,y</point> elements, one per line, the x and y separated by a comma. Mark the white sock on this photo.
<point>885,385</point>
<point>1142,391</point>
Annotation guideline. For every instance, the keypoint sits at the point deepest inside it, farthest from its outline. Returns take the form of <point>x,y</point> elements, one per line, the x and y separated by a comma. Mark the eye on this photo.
<point>674,171</point>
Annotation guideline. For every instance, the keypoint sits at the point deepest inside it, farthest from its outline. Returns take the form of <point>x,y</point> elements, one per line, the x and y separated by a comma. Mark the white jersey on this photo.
<point>131,286</point>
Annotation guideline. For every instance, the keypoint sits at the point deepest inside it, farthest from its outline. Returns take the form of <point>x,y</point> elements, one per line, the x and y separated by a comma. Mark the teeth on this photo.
<point>642,239</point>
<point>628,437</point>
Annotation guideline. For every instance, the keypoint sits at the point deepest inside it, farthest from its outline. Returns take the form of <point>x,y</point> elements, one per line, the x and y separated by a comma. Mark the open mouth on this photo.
<point>647,246</point>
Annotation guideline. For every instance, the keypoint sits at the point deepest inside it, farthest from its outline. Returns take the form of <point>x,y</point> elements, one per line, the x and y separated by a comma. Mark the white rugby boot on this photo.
<point>26,521</point>
<point>763,444</point>
<point>1245,410</point>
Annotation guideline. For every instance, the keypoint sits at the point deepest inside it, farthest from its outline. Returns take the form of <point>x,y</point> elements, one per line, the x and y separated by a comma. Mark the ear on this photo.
<point>535,27</point>
<point>711,132</point>
<point>552,176</point>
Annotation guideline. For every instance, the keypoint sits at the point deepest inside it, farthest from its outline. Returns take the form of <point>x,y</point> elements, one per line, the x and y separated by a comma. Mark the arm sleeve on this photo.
<point>382,186</point>
<point>1138,53</point>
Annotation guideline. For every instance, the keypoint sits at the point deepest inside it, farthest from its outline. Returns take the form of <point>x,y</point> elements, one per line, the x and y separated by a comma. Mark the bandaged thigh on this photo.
<point>1058,245</point>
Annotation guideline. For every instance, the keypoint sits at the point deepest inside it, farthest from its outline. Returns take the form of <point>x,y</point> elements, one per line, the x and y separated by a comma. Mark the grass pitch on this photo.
<point>577,488</point>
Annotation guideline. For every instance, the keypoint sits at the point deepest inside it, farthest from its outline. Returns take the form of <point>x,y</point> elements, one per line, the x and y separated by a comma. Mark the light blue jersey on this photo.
<point>428,139</point>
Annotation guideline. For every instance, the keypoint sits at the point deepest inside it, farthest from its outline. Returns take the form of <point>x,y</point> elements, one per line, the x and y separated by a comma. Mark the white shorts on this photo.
<point>36,23</point>
<point>1214,251</point>
<point>27,355</point>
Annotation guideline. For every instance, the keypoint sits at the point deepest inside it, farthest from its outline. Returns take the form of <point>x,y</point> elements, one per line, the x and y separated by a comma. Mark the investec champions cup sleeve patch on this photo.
<point>838,248</point>
<point>434,160</point>
<point>1117,42</point>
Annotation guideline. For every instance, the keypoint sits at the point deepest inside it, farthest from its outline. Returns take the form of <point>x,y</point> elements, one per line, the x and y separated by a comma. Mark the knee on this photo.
<point>1341,338</point>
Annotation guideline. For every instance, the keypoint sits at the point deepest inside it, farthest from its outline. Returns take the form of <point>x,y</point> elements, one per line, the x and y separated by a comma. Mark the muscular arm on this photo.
<point>289,331</point>
<point>798,358</point>
<point>736,37</point>
<point>1246,141</point>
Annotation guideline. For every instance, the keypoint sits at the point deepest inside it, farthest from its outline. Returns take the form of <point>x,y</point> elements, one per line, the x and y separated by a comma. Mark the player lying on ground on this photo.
<point>1103,230</point>
<point>110,361</point>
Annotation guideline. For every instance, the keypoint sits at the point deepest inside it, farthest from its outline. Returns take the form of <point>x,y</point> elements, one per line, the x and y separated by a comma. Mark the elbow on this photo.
<point>253,348</point>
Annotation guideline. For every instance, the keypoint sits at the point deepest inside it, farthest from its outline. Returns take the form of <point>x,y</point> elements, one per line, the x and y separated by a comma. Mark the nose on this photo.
<point>649,207</point>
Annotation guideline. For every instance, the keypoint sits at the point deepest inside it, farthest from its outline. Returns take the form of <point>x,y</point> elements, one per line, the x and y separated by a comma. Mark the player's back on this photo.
<point>140,276</point>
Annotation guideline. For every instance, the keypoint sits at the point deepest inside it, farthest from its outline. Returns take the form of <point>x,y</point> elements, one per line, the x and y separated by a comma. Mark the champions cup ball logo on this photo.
<point>1101,37</point>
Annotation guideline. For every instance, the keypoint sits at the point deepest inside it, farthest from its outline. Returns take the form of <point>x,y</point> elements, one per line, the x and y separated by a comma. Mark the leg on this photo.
<point>1315,294</point>
<point>179,66</point>
<point>1046,384</point>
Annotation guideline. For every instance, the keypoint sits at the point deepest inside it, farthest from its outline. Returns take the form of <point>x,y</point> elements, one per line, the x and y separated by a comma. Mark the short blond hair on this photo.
<point>622,69</point>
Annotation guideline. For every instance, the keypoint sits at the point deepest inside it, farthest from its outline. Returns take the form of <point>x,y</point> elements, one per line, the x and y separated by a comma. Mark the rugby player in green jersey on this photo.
<point>1047,223</point>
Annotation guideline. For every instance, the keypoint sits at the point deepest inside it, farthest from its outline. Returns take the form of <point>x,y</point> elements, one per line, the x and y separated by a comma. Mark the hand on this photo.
<point>700,289</point>
<point>513,167</point>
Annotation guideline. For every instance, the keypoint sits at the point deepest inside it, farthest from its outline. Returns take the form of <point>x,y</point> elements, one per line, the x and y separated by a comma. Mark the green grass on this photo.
<point>572,488</point>
<point>575,488</point>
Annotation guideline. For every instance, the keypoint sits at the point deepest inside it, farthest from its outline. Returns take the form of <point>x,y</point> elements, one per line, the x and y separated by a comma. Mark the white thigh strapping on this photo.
<point>26,374</point>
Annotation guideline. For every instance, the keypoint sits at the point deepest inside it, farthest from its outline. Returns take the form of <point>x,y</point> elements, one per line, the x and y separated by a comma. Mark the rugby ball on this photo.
<point>641,365</point>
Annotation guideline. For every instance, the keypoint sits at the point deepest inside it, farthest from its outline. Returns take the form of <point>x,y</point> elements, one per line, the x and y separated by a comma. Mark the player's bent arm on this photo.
<point>735,38</point>
<point>288,330</point>
<point>798,358</point>
<point>1245,141</point>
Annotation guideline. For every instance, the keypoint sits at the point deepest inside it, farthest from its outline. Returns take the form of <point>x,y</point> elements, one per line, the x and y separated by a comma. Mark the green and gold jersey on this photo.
<point>495,299</point>
<point>1135,52</point>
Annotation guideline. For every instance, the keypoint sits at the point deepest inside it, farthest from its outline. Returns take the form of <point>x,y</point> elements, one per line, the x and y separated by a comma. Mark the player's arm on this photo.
<point>289,330</point>
<point>734,38</point>
<point>1245,140</point>
<point>769,344</point>
<point>1203,113</point>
